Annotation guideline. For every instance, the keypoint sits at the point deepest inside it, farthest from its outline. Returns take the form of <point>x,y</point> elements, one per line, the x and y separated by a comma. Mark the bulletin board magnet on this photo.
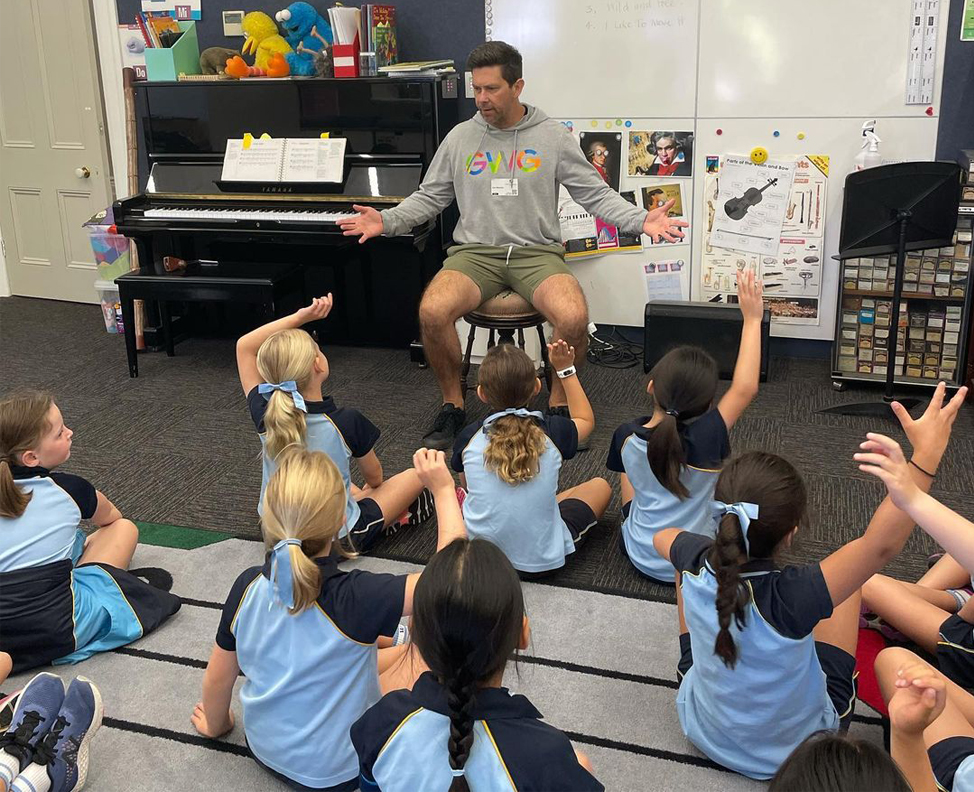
<point>759,155</point>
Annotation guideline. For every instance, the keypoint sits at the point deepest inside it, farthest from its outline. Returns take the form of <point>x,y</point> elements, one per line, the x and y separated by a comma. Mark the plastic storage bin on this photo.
<point>183,57</point>
<point>111,308</point>
<point>112,254</point>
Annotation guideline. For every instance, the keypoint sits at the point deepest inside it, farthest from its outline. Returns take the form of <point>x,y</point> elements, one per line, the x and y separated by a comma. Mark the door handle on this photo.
<point>82,172</point>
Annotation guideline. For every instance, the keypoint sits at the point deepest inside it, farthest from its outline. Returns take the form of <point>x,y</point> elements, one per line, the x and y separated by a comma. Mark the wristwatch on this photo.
<point>568,372</point>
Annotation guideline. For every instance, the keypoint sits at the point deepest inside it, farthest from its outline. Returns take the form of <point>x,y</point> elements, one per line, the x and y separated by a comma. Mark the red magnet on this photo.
<point>929,111</point>
<point>720,131</point>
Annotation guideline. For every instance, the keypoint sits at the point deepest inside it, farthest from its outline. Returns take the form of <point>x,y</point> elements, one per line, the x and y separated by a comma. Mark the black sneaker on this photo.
<point>448,422</point>
<point>562,411</point>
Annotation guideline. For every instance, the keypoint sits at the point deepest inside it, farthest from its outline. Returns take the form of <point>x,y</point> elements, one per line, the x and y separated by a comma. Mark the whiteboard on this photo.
<point>827,58</point>
<point>734,73</point>
<point>600,56</point>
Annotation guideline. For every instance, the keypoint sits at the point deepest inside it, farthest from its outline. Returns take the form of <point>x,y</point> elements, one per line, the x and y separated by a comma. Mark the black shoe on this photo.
<point>449,421</point>
<point>562,411</point>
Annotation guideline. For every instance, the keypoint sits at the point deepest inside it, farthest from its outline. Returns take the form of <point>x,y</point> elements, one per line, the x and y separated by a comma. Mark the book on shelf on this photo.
<point>284,160</point>
<point>417,66</point>
<point>378,34</point>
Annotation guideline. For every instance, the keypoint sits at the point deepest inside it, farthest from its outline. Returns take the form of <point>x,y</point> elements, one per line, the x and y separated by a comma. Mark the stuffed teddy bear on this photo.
<point>263,40</point>
<point>213,59</point>
<point>297,20</point>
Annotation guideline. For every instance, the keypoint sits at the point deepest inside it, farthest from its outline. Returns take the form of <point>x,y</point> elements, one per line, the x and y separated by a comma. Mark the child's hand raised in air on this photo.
<point>750,295</point>
<point>208,728</point>
<point>882,457</point>
<point>930,432</point>
<point>919,698</point>
<point>432,470</point>
<point>320,308</point>
<point>561,355</point>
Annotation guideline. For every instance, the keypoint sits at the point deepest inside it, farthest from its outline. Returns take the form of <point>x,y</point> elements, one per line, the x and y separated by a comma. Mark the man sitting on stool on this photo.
<point>503,167</point>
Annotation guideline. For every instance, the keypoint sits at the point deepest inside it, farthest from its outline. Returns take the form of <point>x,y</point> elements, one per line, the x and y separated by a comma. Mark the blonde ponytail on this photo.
<point>23,422</point>
<point>304,500</point>
<point>286,355</point>
<point>514,448</point>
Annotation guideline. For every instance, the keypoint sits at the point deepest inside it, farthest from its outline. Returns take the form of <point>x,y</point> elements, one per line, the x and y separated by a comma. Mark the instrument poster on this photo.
<point>751,204</point>
<point>792,273</point>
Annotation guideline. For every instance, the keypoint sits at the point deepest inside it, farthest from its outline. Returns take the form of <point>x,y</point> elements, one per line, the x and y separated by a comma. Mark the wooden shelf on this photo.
<point>904,296</point>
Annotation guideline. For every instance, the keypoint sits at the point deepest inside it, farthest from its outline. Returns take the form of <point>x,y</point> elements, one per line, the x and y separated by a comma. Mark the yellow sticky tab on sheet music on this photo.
<point>265,136</point>
<point>325,135</point>
<point>247,140</point>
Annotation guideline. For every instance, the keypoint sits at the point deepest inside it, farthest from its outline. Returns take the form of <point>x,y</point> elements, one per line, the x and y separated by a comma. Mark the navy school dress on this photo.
<point>785,685</point>
<point>341,433</point>
<point>311,675</point>
<point>653,507</point>
<point>402,745</point>
<point>51,610</point>
<point>525,520</point>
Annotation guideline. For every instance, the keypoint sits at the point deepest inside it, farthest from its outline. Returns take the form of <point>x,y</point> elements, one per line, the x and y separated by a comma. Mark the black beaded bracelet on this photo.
<point>924,472</point>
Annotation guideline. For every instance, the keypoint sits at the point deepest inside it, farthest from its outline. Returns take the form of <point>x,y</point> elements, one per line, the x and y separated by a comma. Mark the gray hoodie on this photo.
<point>475,154</point>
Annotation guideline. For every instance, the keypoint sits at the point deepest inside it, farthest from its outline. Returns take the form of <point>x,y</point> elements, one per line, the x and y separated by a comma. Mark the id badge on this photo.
<point>503,187</point>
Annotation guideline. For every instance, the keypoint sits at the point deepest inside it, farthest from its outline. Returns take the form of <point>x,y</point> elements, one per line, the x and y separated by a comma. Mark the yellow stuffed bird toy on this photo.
<point>263,40</point>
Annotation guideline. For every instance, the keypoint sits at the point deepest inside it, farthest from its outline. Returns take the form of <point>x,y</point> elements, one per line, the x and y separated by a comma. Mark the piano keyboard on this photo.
<point>284,215</point>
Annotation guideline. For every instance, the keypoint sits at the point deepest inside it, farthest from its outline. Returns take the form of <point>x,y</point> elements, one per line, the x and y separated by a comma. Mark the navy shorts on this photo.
<point>580,519</point>
<point>955,651</point>
<point>368,528</point>
<point>347,786</point>
<point>840,675</point>
<point>947,756</point>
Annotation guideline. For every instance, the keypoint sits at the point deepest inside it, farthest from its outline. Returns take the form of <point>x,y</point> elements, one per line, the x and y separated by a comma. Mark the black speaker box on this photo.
<point>713,326</point>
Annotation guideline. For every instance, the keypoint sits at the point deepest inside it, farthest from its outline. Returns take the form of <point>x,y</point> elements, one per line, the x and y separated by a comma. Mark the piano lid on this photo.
<point>365,181</point>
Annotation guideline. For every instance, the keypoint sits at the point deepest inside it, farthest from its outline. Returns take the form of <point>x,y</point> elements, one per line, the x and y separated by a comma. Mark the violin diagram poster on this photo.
<point>792,274</point>
<point>751,204</point>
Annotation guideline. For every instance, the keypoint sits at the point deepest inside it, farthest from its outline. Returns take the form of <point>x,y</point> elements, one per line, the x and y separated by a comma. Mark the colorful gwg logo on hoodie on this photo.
<point>526,161</point>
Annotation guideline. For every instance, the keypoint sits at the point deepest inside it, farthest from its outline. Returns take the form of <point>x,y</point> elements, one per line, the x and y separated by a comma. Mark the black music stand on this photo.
<point>896,208</point>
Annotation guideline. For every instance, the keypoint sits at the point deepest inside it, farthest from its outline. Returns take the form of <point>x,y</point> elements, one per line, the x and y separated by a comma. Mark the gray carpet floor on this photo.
<point>177,446</point>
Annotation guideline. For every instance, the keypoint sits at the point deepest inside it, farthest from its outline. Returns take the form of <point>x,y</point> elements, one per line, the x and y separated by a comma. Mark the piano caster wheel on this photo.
<point>838,385</point>
<point>424,365</point>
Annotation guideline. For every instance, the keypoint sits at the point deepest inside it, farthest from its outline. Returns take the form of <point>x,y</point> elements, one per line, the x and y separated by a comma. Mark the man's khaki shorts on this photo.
<point>493,270</point>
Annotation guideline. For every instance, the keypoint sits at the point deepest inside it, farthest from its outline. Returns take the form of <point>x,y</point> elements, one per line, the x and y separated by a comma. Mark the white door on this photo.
<point>53,156</point>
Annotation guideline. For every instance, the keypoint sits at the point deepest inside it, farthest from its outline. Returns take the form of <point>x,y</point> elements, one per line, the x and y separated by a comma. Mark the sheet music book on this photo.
<point>285,160</point>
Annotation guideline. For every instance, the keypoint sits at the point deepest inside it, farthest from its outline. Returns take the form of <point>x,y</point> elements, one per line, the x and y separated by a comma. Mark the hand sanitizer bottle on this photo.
<point>868,156</point>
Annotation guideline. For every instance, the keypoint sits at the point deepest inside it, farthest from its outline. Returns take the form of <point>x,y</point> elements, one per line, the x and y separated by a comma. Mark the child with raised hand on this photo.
<point>911,609</point>
<point>932,737</point>
<point>457,728</point>
<point>669,461</point>
<point>282,372</point>
<point>768,651</point>
<point>509,463</point>
<point>304,633</point>
<point>63,596</point>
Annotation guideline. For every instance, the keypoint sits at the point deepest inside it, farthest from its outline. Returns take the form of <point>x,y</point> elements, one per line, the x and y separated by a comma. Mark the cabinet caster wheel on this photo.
<point>838,386</point>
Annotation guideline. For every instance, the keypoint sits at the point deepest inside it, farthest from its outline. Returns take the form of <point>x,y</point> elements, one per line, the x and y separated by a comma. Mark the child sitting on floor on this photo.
<point>63,596</point>
<point>669,461</point>
<point>768,652</point>
<point>456,728</point>
<point>510,461</point>
<point>282,371</point>
<point>304,633</point>
<point>923,614</point>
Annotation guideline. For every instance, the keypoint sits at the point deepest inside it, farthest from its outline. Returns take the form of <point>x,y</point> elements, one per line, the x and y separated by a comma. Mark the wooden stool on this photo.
<point>504,314</point>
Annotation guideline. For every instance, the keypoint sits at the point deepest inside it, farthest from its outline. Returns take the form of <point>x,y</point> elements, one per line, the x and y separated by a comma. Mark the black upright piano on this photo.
<point>392,128</point>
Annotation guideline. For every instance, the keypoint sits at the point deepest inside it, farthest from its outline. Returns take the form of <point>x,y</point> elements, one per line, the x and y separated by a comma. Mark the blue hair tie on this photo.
<point>282,575</point>
<point>745,513</point>
<point>289,386</point>
<point>519,412</point>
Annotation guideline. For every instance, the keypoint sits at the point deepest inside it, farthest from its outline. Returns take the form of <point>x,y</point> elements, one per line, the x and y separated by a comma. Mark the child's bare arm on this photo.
<point>212,716</point>
<point>106,512</point>
<point>747,372</point>
<point>371,469</point>
<point>562,356</point>
<point>247,345</point>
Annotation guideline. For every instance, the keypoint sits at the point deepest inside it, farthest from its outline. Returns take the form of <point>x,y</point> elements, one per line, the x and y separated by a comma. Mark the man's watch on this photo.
<point>568,372</point>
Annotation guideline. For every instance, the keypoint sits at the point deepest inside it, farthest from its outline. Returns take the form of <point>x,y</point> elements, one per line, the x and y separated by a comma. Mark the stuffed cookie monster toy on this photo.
<point>296,22</point>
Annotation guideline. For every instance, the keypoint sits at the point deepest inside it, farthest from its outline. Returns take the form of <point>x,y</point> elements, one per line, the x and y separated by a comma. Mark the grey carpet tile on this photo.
<point>176,445</point>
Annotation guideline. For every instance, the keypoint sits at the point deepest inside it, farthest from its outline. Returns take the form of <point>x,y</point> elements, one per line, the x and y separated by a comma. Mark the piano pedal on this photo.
<point>416,354</point>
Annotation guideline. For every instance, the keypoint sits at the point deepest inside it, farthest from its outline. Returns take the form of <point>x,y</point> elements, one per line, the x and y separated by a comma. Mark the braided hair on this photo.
<point>773,484</point>
<point>468,616</point>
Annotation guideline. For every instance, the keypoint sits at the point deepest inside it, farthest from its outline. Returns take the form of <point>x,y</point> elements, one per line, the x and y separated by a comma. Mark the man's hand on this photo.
<point>365,225</point>
<point>659,224</point>
<point>749,296</point>
<point>320,308</point>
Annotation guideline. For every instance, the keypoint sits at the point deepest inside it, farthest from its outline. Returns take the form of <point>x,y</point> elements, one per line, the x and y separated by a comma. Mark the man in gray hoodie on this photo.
<point>503,167</point>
